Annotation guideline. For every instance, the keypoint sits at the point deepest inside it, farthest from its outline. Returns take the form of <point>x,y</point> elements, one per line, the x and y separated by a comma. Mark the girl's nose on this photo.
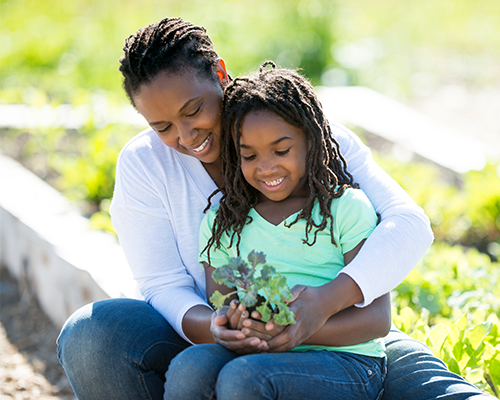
<point>267,166</point>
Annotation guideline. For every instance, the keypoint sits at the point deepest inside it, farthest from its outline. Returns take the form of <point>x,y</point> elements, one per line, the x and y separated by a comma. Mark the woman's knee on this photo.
<point>114,328</point>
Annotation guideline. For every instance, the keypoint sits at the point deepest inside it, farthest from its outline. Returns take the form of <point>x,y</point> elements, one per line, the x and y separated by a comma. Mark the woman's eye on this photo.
<point>282,153</point>
<point>166,129</point>
<point>194,112</point>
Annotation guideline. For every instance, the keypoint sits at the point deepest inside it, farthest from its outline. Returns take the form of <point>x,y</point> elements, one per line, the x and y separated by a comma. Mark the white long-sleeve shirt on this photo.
<point>158,205</point>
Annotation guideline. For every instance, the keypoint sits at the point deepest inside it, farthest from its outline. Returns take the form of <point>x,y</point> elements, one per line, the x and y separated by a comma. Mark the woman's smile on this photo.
<point>203,145</point>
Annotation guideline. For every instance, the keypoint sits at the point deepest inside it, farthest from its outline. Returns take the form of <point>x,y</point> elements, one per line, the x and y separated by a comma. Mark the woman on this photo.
<point>121,348</point>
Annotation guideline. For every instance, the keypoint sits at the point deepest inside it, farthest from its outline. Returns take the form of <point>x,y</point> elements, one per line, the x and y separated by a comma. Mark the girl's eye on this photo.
<point>248,158</point>
<point>282,153</point>
<point>194,112</point>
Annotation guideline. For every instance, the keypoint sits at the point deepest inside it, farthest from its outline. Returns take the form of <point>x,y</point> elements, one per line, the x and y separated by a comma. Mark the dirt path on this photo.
<point>29,368</point>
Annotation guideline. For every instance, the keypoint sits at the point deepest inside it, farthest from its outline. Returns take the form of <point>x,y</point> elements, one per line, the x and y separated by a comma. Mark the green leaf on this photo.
<point>267,272</point>
<point>217,299</point>
<point>256,258</point>
<point>458,350</point>
<point>244,270</point>
<point>264,311</point>
<point>285,317</point>
<point>250,298</point>
<point>453,366</point>
<point>224,275</point>
<point>436,338</point>
<point>477,334</point>
<point>494,372</point>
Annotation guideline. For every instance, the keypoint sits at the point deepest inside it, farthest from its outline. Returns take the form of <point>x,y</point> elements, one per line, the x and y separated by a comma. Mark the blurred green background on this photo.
<point>67,50</point>
<point>431,54</point>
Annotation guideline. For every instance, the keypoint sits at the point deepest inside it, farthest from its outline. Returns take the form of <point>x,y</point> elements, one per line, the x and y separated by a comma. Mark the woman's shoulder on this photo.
<point>144,141</point>
<point>147,149</point>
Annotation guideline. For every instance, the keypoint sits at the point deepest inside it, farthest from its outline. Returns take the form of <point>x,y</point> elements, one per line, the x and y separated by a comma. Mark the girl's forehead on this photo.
<point>269,127</point>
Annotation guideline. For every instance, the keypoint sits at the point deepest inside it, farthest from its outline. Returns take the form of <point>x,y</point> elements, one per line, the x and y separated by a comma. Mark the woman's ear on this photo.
<point>222,73</point>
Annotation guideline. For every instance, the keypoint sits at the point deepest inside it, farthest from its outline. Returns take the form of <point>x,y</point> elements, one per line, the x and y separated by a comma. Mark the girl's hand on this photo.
<point>308,316</point>
<point>232,339</point>
<point>236,315</point>
<point>251,327</point>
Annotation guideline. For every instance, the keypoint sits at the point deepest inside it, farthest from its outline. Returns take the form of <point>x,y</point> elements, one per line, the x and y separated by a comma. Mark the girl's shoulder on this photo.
<point>352,198</point>
<point>355,194</point>
<point>210,214</point>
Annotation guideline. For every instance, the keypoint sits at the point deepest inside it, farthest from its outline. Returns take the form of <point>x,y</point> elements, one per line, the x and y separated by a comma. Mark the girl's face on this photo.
<point>185,111</point>
<point>273,155</point>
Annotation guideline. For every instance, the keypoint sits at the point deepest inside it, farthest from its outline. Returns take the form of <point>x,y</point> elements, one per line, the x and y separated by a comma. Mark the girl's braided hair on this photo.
<point>170,44</point>
<point>290,96</point>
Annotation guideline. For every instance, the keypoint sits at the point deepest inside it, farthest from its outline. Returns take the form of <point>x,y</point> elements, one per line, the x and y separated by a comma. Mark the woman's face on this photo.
<point>185,111</point>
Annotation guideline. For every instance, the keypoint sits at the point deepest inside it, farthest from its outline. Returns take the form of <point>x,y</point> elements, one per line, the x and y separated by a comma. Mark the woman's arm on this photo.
<point>401,238</point>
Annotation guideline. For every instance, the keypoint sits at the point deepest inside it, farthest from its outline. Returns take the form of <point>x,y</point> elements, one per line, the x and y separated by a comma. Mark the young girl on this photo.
<point>287,193</point>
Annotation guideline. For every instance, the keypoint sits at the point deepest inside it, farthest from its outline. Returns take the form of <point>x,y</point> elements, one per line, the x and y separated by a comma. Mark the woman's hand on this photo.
<point>309,318</point>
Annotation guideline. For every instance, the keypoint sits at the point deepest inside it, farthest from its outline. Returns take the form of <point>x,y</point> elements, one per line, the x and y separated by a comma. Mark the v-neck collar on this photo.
<point>268,226</point>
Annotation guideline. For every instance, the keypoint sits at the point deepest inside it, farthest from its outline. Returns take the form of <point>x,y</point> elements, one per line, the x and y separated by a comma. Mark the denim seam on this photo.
<point>140,371</point>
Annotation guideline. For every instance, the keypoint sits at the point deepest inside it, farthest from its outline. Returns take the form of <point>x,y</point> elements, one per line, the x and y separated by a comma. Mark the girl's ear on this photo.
<point>222,73</point>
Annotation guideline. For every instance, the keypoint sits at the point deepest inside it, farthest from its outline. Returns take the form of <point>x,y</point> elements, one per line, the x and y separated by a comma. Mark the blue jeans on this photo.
<point>121,349</point>
<point>211,371</point>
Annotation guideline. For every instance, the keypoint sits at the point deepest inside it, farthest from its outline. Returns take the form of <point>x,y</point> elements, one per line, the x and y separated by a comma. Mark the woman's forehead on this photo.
<point>172,90</point>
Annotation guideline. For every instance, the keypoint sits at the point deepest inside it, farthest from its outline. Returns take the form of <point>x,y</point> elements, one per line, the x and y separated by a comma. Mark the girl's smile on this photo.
<point>273,155</point>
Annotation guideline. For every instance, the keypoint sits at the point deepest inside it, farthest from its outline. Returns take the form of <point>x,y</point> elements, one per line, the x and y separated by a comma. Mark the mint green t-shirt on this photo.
<point>354,219</point>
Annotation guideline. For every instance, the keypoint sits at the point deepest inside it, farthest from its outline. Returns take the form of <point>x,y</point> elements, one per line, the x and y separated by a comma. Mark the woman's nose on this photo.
<point>187,136</point>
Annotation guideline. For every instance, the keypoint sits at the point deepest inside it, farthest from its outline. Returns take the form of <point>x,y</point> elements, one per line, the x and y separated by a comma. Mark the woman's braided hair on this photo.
<point>168,45</point>
<point>290,96</point>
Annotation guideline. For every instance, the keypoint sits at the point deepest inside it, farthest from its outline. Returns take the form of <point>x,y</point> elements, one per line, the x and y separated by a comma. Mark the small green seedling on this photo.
<point>241,275</point>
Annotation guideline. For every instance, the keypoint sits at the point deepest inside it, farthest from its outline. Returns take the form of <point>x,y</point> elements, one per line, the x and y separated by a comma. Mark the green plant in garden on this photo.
<point>451,279</point>
<point>470,349</point>
<point>467,213</point>
<point>451,302</point>
<point>242,276</point>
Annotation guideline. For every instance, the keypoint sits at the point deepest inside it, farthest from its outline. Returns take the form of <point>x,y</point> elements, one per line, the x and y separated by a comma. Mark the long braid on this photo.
<point>291,96</point>
<point>168,45</point>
